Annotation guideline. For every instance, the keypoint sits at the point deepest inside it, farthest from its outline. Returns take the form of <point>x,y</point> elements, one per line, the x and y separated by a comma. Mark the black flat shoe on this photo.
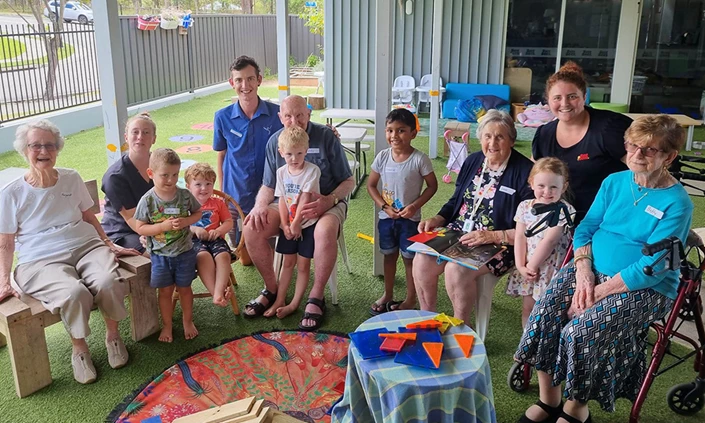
<point>570,419</point>
<point>553,413</point>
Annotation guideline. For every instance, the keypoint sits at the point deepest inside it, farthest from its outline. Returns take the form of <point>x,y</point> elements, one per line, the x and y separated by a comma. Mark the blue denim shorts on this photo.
<point>394,234</point>
<point>179,270</point>
<point>214,247</point>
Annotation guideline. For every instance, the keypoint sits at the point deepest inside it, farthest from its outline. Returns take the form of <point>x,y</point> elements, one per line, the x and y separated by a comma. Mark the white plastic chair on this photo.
<point>424,89</point>
<point>403,89</point>
<point>483,303</point>
<point>333,279</point>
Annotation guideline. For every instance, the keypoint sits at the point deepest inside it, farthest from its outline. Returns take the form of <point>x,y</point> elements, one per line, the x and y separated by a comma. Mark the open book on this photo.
<point>445,244</point>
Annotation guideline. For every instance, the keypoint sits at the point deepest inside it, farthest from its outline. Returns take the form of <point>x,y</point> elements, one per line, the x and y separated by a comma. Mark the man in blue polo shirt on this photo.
<point>241,133</point>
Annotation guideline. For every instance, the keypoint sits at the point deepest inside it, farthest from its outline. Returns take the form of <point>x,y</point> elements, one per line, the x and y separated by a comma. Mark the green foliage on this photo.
<point>312,60</point>
<point>292,61</point>
<point>314,18</point>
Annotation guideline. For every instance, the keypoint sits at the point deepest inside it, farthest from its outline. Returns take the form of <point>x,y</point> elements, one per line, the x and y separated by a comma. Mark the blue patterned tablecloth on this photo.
<point>381,390</point>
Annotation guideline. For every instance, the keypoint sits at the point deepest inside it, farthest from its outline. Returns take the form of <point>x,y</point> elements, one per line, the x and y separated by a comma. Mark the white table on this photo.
<point>355,135</point>
<point>347,115</point>
<point>682,120</point>
<point>10,174</point>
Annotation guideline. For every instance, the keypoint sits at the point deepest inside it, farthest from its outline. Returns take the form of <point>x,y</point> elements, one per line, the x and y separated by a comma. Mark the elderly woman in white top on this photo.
<point>64,257</point>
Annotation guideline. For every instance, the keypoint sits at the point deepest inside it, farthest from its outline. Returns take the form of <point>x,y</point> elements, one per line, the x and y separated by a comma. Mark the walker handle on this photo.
<point>651,249</point>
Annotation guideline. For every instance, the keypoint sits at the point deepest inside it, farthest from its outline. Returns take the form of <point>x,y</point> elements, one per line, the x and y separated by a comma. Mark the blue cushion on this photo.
<point>455,92</point>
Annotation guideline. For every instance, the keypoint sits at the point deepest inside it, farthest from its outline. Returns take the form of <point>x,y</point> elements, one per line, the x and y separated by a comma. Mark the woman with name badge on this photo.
<point>490,186</point>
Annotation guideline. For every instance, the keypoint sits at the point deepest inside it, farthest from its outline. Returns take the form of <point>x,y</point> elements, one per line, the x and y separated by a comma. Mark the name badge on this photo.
<point>232,131</point>
<point>393,169</point>
<point>313,151</point>
<point>468,226</point>
<point>507,190</point>
<point>172,210</point>
<point>66,194</point>
<point>658,214</point>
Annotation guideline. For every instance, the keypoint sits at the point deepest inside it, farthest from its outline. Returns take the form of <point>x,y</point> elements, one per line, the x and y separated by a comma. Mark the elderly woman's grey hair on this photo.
<point>21,140</point>
<point>502,118</point>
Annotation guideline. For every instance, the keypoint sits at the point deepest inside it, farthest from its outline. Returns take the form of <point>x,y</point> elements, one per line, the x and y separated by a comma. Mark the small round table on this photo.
<point>380,390</point>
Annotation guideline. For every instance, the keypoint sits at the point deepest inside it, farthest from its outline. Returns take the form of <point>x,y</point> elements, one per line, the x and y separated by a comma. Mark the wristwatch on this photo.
<point>335,199</point>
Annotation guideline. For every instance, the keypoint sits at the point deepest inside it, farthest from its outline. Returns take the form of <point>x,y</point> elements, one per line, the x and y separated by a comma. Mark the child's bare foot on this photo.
<point>220,300</point>
<point>273,309</point>
<point>190,330</point>
<point>166,334</point>
<point>282,312</point>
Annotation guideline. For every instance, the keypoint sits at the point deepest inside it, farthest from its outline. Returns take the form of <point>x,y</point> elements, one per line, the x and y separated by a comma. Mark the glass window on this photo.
<point>532,38</point>
<point>589,39</point>
<point>669,74</point>
<point>69,6</point>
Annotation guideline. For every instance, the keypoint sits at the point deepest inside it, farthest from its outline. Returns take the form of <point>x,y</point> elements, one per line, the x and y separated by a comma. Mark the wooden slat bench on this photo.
<point>22,321</point>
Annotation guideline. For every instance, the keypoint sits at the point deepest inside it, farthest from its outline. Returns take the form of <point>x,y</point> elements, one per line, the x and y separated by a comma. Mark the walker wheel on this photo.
<point>447,178</point>
<point>685,399</point>
<point>688,310</point>
<point>519,377</point>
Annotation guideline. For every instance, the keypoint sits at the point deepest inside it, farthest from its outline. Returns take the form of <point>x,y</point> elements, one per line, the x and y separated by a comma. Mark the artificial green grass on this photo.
<point>65,400</point>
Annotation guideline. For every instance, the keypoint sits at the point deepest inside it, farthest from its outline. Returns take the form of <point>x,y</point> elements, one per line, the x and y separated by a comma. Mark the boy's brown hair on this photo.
<point>163,157</point>
<point>203,170</point>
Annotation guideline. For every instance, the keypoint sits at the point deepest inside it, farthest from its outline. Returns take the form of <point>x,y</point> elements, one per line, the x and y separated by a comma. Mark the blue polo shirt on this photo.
<point>245,141</point>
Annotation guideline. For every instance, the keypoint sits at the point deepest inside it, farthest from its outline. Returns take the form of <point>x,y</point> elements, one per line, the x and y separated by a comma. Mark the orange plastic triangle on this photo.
<point>425,324</point>
<point>411,336</point>
<point>465,342</point>
<point>434,351</point>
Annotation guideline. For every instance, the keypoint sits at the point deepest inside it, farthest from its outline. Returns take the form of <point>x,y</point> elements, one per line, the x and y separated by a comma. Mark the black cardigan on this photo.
<point>515,178</point>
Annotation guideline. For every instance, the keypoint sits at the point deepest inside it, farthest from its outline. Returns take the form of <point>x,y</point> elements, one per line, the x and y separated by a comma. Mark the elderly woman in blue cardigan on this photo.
<point>490,186</point>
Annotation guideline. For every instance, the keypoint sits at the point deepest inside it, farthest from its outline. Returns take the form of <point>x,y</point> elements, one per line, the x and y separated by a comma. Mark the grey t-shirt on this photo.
<point>401,182</point>
<point>324,150</point>
<point>152,209</point>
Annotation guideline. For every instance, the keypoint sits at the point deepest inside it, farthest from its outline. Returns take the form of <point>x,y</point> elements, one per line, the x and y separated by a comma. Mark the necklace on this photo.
<point>636,200</point>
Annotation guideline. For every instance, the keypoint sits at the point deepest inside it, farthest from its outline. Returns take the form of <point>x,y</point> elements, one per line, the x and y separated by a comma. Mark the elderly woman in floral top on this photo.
<point>490,186</point>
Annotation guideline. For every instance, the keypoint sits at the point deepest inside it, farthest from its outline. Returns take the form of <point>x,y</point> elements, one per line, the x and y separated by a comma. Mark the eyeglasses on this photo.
<point>645,151</point>
<point>50,148</point>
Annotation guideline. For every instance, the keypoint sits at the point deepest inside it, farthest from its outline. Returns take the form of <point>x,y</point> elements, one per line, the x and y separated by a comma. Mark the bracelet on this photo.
<point>582,257</point>
<point>504,238</point>
<point>106,240</point>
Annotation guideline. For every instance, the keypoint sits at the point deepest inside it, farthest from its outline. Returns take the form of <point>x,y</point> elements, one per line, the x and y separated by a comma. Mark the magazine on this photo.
<point>445,244</point>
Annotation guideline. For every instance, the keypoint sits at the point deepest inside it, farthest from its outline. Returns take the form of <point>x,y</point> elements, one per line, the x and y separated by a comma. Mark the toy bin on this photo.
<point>169,23</point>
<point>147,23</point>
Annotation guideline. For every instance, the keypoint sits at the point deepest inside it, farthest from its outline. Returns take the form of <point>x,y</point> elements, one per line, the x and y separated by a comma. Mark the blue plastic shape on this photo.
<point>367,343</point>
<point>415,354</point>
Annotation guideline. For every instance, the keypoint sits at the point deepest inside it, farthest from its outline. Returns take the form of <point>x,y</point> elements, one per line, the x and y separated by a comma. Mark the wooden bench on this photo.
<point>22,321</point>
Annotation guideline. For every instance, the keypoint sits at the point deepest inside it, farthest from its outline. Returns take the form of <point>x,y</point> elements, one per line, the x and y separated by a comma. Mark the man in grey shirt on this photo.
<point>329,207</point>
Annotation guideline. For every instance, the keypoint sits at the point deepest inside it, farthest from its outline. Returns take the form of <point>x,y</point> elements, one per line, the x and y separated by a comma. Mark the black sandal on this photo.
<point>257,306</point>
<point>570,419</point>
<point>316,317</point>
<point>553,413</point>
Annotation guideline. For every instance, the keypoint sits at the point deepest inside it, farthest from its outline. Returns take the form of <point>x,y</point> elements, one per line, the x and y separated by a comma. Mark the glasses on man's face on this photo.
<point>645,151</point>
<point>50,148</point>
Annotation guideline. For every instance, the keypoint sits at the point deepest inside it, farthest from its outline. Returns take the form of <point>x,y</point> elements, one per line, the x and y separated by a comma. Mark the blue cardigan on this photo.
<point>515,178</point>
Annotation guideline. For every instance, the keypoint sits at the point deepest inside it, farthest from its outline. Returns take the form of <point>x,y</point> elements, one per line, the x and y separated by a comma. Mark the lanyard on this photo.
<point>476,198</point>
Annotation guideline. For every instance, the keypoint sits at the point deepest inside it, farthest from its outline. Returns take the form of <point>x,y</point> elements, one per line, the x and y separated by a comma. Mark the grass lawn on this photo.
<point>66,400</point>
<point>10,48</point>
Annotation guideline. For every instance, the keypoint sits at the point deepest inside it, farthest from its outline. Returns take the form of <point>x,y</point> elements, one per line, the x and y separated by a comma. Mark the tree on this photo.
<point>314,18</point>
<point>51,41</point>
<point>248,6</point>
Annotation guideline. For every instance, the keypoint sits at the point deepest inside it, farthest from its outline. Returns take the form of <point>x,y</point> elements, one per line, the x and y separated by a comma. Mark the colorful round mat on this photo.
<point>299,373</point>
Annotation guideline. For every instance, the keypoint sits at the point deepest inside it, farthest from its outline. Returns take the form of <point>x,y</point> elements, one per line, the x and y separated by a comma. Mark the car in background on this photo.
<point>73,12</point>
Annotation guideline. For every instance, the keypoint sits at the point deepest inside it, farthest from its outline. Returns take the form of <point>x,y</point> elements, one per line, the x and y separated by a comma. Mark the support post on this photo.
<point>625,54</point>
<point>283,48</point>
<point>435,78</point>
<point>111,70</point>
<point>383,100</point>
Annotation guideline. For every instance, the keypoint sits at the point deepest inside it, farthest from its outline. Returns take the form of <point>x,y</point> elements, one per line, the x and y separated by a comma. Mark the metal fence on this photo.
<point>29,85</point>
<point>158,63</point>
